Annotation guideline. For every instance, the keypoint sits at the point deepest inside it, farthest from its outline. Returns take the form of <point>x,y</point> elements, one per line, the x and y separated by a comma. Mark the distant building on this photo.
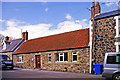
<point>10,46</point>
<point>104,34</point>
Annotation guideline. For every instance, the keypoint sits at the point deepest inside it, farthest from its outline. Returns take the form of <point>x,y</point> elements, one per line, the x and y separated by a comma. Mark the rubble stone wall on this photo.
<point>81,65</point>
<point>104,40</point>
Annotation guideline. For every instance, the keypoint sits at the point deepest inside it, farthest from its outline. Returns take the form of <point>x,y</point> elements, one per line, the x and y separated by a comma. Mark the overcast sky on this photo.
<point>46,18</point>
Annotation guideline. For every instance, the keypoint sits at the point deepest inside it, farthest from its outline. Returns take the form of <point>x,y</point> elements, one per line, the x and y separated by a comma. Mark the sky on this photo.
<point>46,18</point>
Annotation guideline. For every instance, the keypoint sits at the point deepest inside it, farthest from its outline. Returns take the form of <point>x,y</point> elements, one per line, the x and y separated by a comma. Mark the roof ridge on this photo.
<point>106,13</point>
<point>58,34</point>
<point>110,11</point>
<point>68,40</point>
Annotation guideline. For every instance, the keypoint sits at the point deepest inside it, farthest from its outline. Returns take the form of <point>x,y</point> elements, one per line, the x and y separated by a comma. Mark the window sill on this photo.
<point>74,61</point>
<point>19,62</point>
<point>117,36</point>
<point>63,63</point>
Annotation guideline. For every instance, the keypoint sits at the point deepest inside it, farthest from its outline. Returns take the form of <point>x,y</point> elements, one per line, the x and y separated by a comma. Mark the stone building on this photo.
<point>62,52</point>
<point>74,51</point>
<point>11,46</point>
<point>104,34</point>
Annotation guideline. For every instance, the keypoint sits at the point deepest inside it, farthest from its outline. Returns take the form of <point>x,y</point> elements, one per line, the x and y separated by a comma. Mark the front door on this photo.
<point>38,64</point>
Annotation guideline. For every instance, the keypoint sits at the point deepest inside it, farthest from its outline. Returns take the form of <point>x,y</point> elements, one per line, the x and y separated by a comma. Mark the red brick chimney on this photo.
<point>25,35</point>
<point>6,39</point>
<point>97,9</point>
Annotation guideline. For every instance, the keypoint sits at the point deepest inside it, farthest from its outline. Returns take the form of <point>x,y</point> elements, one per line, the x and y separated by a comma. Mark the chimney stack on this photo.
<point>97,9</point>
<point>25,35</point>
<point>6,39</point>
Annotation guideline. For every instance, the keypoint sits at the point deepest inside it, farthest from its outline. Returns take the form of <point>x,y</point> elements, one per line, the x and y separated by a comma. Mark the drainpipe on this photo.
<point>92,50</point>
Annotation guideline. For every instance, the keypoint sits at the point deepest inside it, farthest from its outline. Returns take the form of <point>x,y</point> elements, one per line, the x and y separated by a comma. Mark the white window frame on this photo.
<point>49,55</point>
<point>117,27</point>
<point>21,57</point>
<point>73,55</point>
<point>61,56</point>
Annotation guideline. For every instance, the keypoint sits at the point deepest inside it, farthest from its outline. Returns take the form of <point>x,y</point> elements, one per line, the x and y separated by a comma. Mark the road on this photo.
<point>18,73</point>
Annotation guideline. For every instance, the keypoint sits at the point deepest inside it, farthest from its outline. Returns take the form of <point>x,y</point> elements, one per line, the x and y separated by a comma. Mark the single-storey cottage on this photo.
<point>62,52</point>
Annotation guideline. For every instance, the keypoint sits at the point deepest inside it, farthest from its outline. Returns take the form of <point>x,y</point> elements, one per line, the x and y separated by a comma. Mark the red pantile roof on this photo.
<point>74,39</point>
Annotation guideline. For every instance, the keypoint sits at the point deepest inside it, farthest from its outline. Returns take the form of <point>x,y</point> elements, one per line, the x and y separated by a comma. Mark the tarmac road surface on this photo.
<point>33,74</point>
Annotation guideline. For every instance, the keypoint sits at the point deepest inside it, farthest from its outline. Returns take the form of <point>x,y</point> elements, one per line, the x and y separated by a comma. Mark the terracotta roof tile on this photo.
<point>74,39</point>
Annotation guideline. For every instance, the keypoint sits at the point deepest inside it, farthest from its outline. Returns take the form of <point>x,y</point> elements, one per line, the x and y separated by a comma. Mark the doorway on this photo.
<point>38,62</point>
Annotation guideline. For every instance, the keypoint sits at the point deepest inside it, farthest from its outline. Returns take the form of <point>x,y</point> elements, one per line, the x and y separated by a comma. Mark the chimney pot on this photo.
<point>6,38</point>
<point>25,35</point>
<point>97,9</point>
<point>97,3</point>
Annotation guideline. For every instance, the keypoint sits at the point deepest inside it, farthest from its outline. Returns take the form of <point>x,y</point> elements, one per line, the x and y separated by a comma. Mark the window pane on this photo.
<point>49,58</point>
<point>118,59</point>
<point>17,58</point>
<point>111,60</point>
<point>56,57</point>
<point>74,57</point>
<point>65,56</point>
<point>61,58</point>
<point>4,57</point>
<point>75,53</point>
<point>119,48</point>
<point>21,58</point>
<point>119,25</point>
<point>49,54</point>
<point>119,30</point>
<point>61,53</point>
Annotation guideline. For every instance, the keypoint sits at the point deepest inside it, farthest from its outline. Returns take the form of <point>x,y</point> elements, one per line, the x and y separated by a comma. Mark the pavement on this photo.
<point>19,73</point>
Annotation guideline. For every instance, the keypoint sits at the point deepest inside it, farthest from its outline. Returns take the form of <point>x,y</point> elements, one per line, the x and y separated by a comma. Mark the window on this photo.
<point>61,57</point>
<point>5,57</point>
<point>119,25</point>
<point>119,48</point>
<point>19,58</point>
<point>56,56</point>
<point>66,56</point>
<point>113,59</point>
<point>74,56</point>
<point>49,57</point>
